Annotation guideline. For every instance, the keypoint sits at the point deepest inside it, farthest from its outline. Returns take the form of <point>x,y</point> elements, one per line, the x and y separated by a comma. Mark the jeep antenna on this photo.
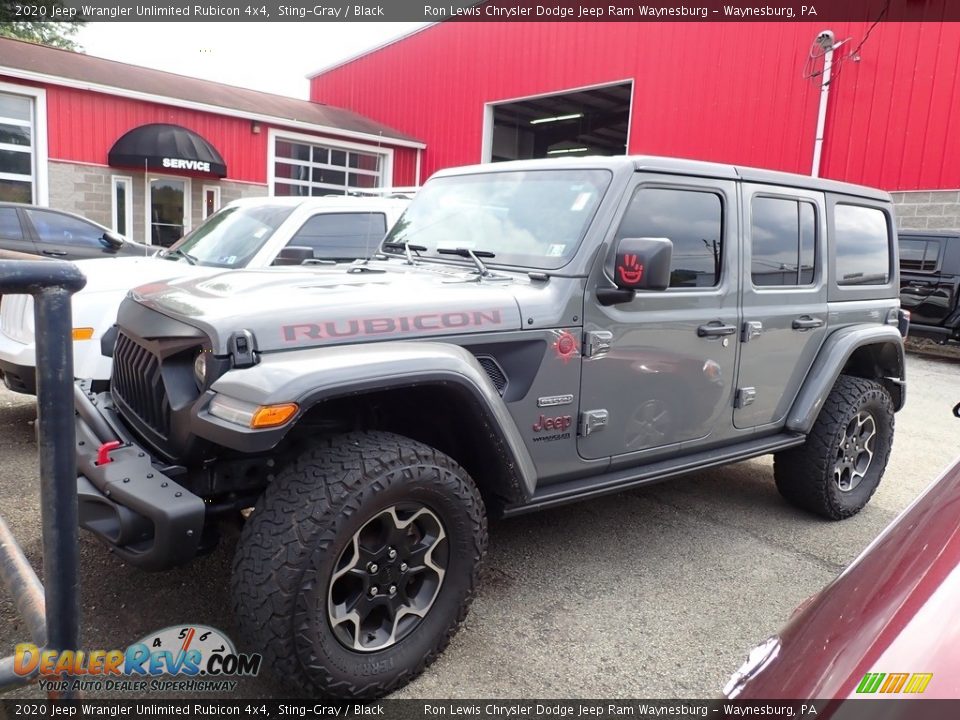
<point>366,258</point>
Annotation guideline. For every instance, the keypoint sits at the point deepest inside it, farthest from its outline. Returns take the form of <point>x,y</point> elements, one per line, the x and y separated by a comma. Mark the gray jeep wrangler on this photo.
<point>529,334</point>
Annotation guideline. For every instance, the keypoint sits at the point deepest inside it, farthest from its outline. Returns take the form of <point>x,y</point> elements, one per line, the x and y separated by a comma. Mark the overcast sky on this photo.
<point>273,57</point>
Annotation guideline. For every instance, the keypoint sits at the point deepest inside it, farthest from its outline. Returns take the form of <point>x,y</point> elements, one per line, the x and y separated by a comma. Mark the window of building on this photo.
<point>17,143</point>
<point>919,254</point>
<point>692,220</point>
<point>211,200</point>
<point>169,210</point>
<point>862,240</point>
<point>304,168</point>
<point>783,242</point>
<point>122,205</point>
<point>342,236</point>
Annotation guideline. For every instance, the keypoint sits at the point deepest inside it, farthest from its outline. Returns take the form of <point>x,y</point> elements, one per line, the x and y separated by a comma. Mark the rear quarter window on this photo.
<point>10,224</point>
<point>862,243</point>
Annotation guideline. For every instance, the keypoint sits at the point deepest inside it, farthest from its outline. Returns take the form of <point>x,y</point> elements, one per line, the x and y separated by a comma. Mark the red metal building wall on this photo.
<point>728,92</point>
<point>82,126</point>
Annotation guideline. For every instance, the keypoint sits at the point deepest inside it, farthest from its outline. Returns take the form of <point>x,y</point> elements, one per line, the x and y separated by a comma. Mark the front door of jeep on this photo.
<point>658,370</point>
<point>784,300</point>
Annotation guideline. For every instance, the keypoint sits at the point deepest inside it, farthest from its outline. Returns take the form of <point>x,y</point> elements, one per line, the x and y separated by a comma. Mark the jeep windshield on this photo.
<point>526,218</point>
<point>231,237</point>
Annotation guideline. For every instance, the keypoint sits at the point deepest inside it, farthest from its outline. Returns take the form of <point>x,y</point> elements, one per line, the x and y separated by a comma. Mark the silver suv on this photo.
<point>530,334</point>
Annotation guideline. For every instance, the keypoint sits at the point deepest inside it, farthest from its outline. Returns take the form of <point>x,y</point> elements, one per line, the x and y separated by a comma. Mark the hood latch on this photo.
<point>243,348</point>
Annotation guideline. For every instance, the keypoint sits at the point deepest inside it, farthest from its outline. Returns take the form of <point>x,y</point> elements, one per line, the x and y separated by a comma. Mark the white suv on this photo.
<point>252,233</point>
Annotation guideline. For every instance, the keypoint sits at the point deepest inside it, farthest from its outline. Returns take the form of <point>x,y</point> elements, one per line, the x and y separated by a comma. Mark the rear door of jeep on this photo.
<point>784,299</point>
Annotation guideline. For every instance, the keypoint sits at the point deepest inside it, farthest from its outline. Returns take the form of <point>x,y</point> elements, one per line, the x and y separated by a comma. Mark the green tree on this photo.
<point>40,30</point>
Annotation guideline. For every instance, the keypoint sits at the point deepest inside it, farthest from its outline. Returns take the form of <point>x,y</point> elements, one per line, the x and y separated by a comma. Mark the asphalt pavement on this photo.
<point>658,592</point>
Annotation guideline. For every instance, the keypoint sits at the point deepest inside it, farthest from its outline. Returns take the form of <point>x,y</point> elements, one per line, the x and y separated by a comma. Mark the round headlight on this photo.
<point>200,368</point>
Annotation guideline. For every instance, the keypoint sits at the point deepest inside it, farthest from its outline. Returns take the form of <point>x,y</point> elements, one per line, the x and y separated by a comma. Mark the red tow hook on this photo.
<point>103,453</point>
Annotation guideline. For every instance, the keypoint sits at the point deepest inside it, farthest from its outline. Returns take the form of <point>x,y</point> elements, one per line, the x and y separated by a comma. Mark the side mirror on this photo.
<point>112,240</point>
<point>640,264</point>
<point>294,255</point>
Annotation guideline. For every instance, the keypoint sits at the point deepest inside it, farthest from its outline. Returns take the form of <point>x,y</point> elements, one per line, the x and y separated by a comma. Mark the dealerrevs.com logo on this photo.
<point>175,659</point>
<point>878,682</point>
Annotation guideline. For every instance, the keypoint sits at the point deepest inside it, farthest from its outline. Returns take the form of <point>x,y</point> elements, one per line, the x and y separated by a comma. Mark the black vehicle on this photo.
<point>930,282</point>
<point>55,233</point>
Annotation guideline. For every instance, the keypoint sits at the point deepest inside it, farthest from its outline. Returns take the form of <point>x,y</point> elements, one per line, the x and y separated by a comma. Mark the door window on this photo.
<point>167,206</point>
<point>783,239</point>
<point>692,220</point>
<point>919,254</point>
<point>342,236</point>
<point>10,224</point>
<point>53,227</point>
<point>122,205</point>
<point>862,240</point>
<point>211,200</point>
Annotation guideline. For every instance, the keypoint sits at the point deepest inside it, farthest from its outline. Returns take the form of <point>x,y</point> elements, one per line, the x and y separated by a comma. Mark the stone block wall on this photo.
<point>86,190</point>
<point>928,210</point>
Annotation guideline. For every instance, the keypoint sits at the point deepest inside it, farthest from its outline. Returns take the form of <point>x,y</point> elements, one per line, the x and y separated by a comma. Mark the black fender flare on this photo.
<point>832,358</point>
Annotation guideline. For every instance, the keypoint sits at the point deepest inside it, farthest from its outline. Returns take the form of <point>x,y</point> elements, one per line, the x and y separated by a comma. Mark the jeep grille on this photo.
<point>138,385</point>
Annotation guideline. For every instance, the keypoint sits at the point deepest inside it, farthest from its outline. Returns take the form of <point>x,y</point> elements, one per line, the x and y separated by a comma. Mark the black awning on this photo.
<point>167,148</point>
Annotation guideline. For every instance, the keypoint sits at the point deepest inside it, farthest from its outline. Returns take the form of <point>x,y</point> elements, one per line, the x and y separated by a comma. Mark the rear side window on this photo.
<point>692,220</point>
<point>783,242</point>
<point>342,236</point>
<point>862,242</point>
<point>10,224</point>
<point>919,254</point>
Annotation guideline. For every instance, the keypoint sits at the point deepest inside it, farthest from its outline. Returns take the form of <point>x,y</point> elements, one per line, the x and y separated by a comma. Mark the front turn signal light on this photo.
<point>82,333</point>
<point>268,416</point>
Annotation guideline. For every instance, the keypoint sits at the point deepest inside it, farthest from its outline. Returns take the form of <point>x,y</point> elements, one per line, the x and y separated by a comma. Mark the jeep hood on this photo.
<point>288,308</point>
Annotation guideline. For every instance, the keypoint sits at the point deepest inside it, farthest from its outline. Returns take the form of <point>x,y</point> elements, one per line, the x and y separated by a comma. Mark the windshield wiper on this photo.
<point>180,253</point>
<point>408,249</point>
<point>474,255</point>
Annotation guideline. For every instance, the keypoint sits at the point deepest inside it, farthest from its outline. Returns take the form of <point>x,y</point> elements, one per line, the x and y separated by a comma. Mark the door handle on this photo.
<point>53,253</point>
<point>807,323</point>
<point>715,330</point>
<point>920,283</point>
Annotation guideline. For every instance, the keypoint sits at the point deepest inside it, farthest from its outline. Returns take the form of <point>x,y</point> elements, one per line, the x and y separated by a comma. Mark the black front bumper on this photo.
<point>19,378</point>
<point>131,503</point>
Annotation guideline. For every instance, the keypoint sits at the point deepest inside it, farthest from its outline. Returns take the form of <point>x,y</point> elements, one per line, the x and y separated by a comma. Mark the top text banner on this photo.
<point>489,11</point>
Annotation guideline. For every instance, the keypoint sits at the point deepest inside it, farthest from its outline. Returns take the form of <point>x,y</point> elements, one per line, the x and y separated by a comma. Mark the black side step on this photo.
<point>597,485</point>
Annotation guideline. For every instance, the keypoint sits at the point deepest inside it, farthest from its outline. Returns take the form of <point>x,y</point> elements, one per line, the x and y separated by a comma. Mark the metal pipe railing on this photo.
<point>51,610</point>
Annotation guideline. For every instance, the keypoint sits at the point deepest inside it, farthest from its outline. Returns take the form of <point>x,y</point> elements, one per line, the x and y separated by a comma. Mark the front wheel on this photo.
<point>835,473</point>
<point>358,564</point>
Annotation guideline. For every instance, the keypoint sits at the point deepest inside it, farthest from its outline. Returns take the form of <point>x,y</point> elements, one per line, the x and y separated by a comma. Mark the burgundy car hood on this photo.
<point>895,609</point>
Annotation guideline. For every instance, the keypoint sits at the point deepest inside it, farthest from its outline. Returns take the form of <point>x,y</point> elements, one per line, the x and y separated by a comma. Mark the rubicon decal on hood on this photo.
<point>423,323</point>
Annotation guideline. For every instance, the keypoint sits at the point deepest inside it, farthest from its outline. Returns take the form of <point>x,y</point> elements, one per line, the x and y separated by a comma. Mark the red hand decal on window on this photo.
<point>631,271</point>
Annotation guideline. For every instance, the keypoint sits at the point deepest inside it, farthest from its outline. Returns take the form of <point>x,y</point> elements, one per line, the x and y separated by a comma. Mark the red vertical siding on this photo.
<point>82,126</point>
<point>728,92</point>
<point>405,167</point>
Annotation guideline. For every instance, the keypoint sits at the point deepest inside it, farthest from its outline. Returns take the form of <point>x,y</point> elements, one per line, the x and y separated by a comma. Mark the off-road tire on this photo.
<point>805,474</point>
<point>304,522</point>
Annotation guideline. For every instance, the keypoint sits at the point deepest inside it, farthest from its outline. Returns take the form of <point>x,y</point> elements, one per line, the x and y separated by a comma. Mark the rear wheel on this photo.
<point>835,473</point>
<point>358,564</point>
